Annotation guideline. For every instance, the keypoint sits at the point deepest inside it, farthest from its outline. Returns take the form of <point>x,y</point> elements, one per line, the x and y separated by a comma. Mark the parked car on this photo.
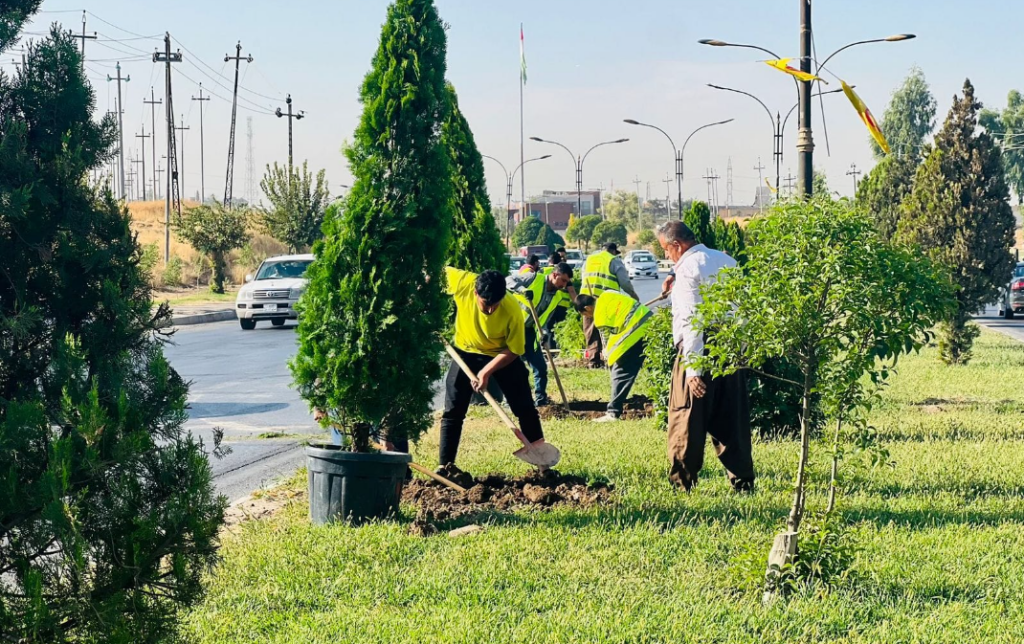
<point>641,263</point>
<point>272,292</point>
<point>574,257</point>
<point>1013,294</point>
<point>515,262</point>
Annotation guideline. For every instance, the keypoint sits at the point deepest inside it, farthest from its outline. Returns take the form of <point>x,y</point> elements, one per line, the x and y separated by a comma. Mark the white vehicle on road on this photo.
<point>272,292</point>
<point>641,263</point>
<point>574,257</point>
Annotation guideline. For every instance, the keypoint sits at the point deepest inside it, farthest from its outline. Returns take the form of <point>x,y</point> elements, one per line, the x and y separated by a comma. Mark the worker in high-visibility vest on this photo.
<point>531,266</point>
<point>622,323</point>
<point>603,271</point>
<point>544,290</point>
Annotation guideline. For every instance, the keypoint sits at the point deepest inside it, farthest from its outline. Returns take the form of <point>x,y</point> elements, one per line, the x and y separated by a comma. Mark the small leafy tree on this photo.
<point>823,289</point>
<point>108,516</point>
<point>647,240</point>
<point>698,219</point>
<point>959,213</point>
<point>476,244</point>
<point>609,232</point>
<point>548,237</point>
<point>620,206</point>
<point>214,231</point>
<point>369,342</point>
<point>909,118</point>
<point>581,231</point>
<point>298,201</point>
<point>526,232</point>
<point>885,188</point>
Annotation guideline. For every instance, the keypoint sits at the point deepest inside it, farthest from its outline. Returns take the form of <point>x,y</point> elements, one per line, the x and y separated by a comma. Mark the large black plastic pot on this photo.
<point>353,487</point>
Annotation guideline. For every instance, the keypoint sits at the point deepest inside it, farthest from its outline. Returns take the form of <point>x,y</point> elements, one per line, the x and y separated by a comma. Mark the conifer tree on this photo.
<point>370,349</point>
<point>108,517</point>
<point>959,212</point>
<point>476,243</point>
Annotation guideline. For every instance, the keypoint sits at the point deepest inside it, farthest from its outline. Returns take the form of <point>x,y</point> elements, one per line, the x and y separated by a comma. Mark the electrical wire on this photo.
<point>219,97</point>
<point>110,24</point>
<point>245,89</point>
<point>255,105</point>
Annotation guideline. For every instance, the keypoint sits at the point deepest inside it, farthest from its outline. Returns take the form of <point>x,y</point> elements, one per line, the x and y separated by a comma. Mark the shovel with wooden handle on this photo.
<point>426,472</point>
<point>657,299</point>
<point>537,454</point>
<point>547,352</point>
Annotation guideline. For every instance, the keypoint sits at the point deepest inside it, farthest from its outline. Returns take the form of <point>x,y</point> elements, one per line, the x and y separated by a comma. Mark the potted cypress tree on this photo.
<point>370,318</point>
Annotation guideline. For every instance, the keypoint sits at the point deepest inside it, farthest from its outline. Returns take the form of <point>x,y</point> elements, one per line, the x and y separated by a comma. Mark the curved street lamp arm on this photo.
<point>584,158</point>
<point>571,155</point>
<point>516,171</point>
<point>499,163</point>
<point>844,48</point>
<point>705,126</point>
<point>792,109</point>
<point>655,127</point>
<point>739,91</point>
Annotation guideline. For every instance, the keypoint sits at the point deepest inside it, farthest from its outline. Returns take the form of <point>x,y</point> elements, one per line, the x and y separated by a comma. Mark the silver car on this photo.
<point>641,263</point>
<point>272,292</point>
<point>574,257</point>
<point>1013,294</point>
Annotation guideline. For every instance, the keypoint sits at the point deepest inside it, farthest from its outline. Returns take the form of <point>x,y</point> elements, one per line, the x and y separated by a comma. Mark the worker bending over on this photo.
<point>545,291</point>
<point>622,323</point>
<point>490,336</point>
<point>603,271</point>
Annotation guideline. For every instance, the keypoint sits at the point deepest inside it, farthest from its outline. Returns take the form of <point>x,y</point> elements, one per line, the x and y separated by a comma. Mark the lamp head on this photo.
<point>631,121</point>
<point>537,138</point>
<point>546,156</point>
<point>620,141</point>
<point>899,37</point>
<point>713,43</point>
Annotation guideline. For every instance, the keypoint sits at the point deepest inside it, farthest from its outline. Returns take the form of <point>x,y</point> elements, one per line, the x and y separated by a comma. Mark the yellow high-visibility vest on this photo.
<point>564,301</point>
<point>622,321</point>
<point>598,276</point>
<point>534,293</point>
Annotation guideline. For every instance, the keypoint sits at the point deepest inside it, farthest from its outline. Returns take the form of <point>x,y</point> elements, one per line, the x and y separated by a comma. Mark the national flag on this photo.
<point>522,54</point>
<point>866,116</point>
<point>782,65</point>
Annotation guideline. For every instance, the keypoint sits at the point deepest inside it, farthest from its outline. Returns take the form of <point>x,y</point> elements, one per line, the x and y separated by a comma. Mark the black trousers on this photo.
<point>458,391</point>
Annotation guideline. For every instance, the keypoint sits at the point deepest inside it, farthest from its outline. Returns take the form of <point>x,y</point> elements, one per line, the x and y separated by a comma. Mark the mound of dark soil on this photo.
<point>636,408</point>
<point>494,492</point>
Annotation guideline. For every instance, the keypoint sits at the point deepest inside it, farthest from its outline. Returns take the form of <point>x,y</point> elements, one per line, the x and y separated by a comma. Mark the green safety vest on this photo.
<point>535,291</point>
<point>622,320</point>
<point>597,274</point>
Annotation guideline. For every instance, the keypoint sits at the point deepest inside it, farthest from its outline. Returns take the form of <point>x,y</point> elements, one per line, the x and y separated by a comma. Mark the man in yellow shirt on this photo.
<point>490,336</point>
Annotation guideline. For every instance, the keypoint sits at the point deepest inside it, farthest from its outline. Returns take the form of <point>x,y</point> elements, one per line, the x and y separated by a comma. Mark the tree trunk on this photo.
<point>361,437</point>
<point>835,469</point>
<point>217,279</point>
<point>796,513</point>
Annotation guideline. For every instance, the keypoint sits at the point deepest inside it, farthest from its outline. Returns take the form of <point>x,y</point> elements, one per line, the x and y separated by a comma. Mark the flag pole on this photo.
<point>522,125</point>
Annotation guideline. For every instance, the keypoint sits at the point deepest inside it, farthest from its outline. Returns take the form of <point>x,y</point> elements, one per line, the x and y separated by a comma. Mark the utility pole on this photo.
<point>250,163</point>
<point>152,102</point>
<point>760,180</point>
<point>144,136</point>
<point>229,182</point>
<point>855,173</point>
<point>132,174</point>
<point>156,181</point>
<point>804,141</point>
<point>120,120</point>
<point>202,149</point>
<point>668,197</point>
<point>728,186</point>
<point>291,117</point>
<point>790,179</point>
<point>140,185</point>
<point>182,129</point>
<point>714,183</point>
<point>707,178</point>
<point>84,38</point>
<point>639,205</point>
<point>172,195</point>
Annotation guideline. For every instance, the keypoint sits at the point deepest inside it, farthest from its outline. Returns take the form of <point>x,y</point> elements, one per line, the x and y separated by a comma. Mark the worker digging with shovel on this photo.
<point>490,337</point>
<point>544,291</point>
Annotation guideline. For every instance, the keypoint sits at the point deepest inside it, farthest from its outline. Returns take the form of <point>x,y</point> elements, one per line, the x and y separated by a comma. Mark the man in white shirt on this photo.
<point>698,404</point>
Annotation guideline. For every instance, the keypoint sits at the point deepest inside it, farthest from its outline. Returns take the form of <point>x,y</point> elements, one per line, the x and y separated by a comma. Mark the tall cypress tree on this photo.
<point>107,516</point>
<point>959,212</point>
<point>476,243</point>
<point>884,189</point>
<point>369,346</point>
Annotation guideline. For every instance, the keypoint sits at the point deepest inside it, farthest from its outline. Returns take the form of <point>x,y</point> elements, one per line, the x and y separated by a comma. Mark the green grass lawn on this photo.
<point>196,296</point>
<point>940,537</point>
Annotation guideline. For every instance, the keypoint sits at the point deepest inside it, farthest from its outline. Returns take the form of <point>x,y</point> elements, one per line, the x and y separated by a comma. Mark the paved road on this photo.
<point>241,383</point>
<point>1013,328</point>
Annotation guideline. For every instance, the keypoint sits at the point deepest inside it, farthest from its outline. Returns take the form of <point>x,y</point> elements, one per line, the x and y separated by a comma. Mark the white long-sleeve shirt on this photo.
<point>698,266</point>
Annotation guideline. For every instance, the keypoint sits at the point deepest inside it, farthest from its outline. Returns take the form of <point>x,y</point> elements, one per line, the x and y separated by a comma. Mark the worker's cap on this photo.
<point>612,248</point>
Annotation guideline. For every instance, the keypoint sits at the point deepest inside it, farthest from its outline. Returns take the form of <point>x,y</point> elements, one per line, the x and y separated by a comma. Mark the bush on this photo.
<point>149,260</point>
<point>661,355</point>
<point>569,336</point>
<point>213,231</point>
<point>173,271</point>
<point>526,232</point>
<point>548,237</point>
<point>647,240</point>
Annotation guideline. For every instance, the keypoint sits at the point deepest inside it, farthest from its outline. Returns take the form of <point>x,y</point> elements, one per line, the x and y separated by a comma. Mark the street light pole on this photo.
<point>804,140</point>
<point>509,179</point>
<point>578,162</point>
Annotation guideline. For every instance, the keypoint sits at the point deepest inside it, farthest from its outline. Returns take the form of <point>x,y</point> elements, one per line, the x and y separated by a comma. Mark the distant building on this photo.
<point>554,207</point>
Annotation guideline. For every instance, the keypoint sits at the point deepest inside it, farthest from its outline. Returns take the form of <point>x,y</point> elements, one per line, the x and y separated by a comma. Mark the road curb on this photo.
<point>202,318</point>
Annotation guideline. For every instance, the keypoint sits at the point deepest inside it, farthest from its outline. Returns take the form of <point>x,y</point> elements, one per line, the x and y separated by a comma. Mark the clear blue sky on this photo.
<point>592,63</point>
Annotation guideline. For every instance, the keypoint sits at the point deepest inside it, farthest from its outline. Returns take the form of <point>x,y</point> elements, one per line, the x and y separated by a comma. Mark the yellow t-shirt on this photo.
<point>485,334</point>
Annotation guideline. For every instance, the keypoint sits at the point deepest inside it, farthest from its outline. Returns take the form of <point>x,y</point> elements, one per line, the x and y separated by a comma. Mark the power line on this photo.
<point>228,80</point>
<point>218,96</point>
<point>110,24</point>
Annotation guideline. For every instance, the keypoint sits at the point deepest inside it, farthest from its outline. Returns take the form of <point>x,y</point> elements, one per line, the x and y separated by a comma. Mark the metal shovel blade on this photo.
<point>539,455</point>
